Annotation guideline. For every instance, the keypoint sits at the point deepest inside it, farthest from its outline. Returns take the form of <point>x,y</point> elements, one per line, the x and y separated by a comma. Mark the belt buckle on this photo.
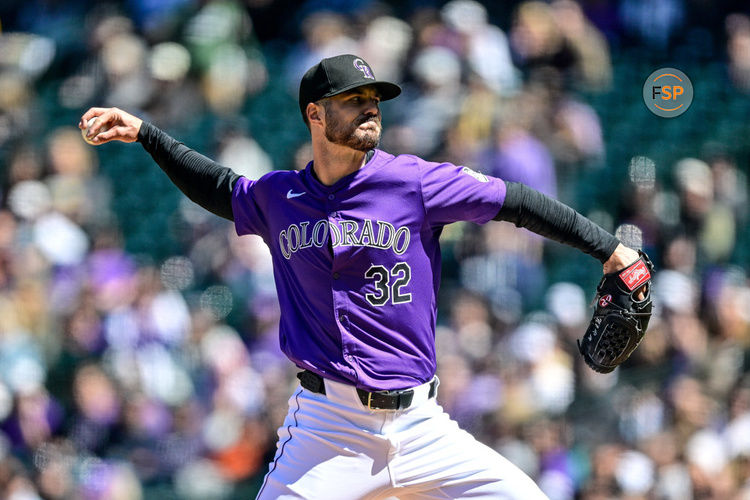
<point>382,393</point>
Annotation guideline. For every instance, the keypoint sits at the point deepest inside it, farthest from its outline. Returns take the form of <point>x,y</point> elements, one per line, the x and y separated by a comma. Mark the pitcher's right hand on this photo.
<point>111,124</point>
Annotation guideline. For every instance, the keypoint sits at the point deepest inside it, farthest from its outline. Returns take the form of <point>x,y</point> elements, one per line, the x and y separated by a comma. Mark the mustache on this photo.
<point>365,119</point>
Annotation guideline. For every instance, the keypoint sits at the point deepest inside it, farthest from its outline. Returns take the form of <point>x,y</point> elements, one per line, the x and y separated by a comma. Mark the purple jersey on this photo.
<point>357,264</point>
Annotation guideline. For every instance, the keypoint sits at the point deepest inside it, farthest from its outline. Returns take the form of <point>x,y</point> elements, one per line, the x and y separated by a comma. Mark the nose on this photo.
<point>372,108</point>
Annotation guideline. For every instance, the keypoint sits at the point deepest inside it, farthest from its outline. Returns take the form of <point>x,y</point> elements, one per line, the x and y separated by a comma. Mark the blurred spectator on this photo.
<point>432,106</point>
<point>711,224</point>
<point>738,42</point>
<point>653,23</point>
<point>538,41</point>
<point>157,17</point>
<point>485,46</point>
<point>244,155</point>
<point>516,155</point>
<point>730,184</point>
<point>77,191</point>
<point>473,127</point>
<point>593,68</point>
<point>98,405</point>
<point>15,106</point>
<point>123,57</point>
<point>325,35</point>
<point>385,45</point>
<point>222,43</point>
<point>569,126</point>
<point>179,98</point>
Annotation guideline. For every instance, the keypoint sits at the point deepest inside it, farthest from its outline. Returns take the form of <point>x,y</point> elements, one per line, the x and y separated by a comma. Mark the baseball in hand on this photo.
<point>89,124</point>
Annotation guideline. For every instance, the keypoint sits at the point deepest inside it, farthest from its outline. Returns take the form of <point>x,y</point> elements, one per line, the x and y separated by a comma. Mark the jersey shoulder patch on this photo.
<point>477,175</point>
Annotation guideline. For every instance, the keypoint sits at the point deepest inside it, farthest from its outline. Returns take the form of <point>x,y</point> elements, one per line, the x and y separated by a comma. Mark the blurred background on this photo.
<point>138,335</point>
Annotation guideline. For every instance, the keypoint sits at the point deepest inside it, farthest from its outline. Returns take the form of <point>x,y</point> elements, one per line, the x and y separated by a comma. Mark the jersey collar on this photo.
<point>345,181</point>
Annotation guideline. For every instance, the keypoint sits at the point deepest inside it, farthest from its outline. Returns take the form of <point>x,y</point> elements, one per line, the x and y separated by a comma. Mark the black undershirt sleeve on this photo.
<point>537,212</point>
<point>204,181</point>
<point>210,185</point>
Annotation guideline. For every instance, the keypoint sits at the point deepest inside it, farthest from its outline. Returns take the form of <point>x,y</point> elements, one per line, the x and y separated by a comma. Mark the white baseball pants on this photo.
<point>331,447</point>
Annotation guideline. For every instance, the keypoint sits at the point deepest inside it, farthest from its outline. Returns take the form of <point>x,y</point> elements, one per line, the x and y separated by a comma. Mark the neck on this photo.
<point>331,162</point>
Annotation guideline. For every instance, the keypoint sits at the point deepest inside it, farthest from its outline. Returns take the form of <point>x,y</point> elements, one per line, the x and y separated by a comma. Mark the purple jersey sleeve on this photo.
<point>248,218</point>
<point>453,193</point>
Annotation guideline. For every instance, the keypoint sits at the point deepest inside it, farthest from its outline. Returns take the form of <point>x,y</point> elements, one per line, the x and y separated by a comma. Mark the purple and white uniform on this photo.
<point>357,269</point>
<point>357,264</point>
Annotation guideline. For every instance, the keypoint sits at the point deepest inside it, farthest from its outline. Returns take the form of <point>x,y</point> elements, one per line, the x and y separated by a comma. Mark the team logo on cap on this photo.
<point>364,68</point>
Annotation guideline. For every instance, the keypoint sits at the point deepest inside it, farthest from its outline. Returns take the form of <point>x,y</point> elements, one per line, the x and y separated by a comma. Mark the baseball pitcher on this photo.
<point>354,239</point>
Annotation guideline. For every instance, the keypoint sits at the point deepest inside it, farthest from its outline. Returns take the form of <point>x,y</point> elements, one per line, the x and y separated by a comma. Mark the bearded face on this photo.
<point>362,133</point>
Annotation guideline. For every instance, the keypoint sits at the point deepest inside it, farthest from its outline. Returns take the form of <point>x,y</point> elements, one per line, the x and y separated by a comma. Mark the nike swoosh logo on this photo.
<point>290,194</point>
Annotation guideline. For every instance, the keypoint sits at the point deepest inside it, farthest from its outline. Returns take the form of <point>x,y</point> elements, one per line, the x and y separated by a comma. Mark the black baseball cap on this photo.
<point>338,74</point>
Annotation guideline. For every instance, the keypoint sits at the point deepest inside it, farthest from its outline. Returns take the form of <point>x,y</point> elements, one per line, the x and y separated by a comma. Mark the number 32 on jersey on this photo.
<point>389,284</point>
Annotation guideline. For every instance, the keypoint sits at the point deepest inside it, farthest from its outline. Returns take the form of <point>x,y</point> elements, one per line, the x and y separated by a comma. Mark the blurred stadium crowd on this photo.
<point>138,334</point>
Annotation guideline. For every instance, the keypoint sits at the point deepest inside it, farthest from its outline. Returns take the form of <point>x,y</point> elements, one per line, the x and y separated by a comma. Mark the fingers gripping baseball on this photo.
<point>101,125</point>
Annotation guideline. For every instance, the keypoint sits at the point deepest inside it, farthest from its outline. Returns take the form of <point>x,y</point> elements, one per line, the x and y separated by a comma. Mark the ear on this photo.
<point>314,113</point>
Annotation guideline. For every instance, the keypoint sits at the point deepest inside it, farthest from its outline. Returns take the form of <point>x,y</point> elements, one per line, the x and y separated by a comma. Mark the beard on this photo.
<point>350,135</point>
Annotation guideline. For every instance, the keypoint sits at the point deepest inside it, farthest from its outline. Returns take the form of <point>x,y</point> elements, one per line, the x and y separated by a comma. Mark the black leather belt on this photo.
<point>379,400</point>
